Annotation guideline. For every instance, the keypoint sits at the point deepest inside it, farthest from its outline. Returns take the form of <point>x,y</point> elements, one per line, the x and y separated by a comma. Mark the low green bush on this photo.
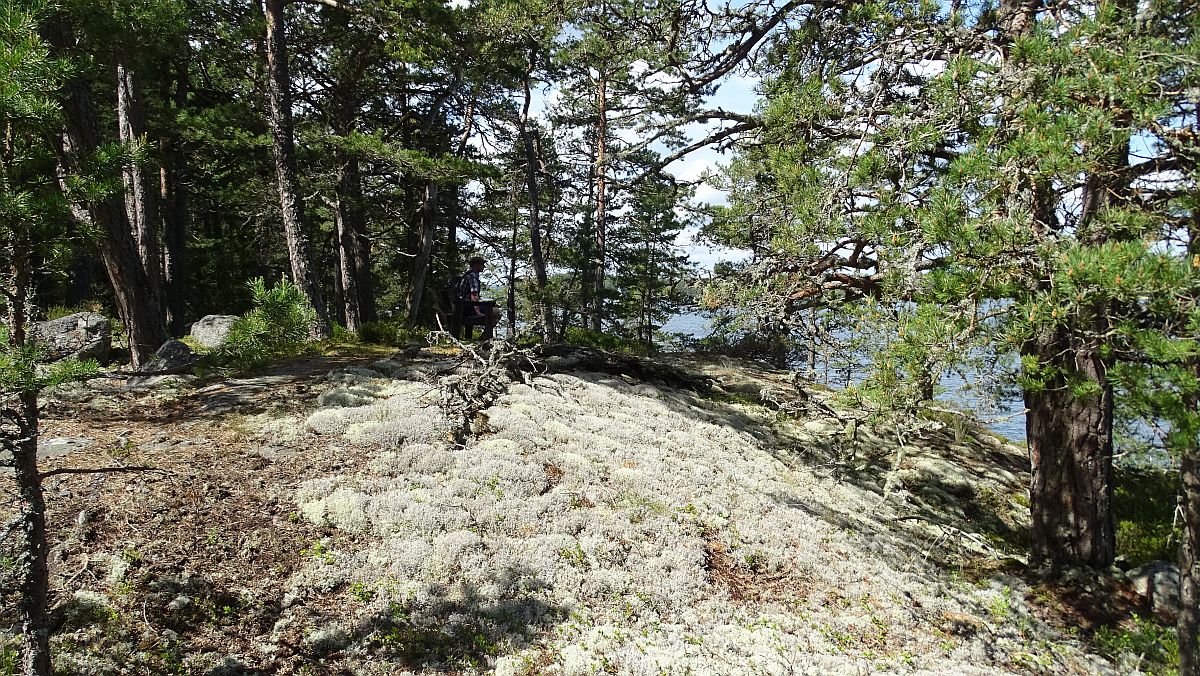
<point>603,341</point>
<point>1144,503</point>
<point>392,332</point>
<point>1156,644</point>
<point>279,325</point>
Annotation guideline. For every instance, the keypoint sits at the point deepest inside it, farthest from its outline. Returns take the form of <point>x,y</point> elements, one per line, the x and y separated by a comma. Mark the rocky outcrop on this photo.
<point>173,358</point>
<point>211,331</point>
<point>83,335</point>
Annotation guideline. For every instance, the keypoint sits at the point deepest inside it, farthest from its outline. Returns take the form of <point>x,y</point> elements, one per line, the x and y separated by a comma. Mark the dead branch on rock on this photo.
<point>491,369</point>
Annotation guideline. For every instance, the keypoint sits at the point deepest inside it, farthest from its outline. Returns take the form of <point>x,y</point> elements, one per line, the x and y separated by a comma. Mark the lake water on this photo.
<point>1004,415</point>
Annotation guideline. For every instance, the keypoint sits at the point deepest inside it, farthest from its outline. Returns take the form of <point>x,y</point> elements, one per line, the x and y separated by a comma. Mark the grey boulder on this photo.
<point>212,331</point>
<point>83,335</point>
<point>172,359</point>
<point>1158,583</point>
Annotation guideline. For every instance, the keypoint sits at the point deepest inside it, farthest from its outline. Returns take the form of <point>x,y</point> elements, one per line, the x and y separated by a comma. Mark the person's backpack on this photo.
<point>456,286</point>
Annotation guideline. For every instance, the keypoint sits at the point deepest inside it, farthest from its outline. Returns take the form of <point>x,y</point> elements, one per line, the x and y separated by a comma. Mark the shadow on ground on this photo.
<point>449,628</point>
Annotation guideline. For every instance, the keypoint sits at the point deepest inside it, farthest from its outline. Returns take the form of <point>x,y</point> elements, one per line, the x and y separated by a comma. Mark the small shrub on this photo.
<point>1156,645</point>
<point>340,334</point>
<point>60,311</point>
<point>1144,508</point>
<point>278,326</point>
<point>603,341</point>
<point>9,660</point>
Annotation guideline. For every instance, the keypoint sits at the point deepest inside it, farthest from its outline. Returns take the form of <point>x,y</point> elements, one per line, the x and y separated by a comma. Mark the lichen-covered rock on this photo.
<point>601,526</point>
<point>83,335</point>
<point>211,331</point>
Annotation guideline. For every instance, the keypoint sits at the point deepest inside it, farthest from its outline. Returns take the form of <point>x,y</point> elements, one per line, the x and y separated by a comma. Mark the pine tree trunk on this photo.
<point>1070,450</point>
<point>537,259</point>
<point>141,207</point>
<point>600,225</point>
<point>175,214</point>
<point>19,438</point>
<point>1188,624</point>
<point>138,305</point>
<point>82,271</point>
<point>354,255</point>
<point>512,261</point>
<point>1189,567</point>
<point>344,283</point>
<point>416,294</point>
<point>280,89</point>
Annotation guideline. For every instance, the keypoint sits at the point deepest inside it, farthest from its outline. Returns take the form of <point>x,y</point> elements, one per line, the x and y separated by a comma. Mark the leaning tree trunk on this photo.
<point>280,90</point>
<point>137,301</point>
<point>19,437</point>
<point>1071,454</point>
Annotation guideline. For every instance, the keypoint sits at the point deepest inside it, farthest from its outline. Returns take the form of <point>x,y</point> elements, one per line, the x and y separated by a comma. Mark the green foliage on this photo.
<point>10,660</point>
<point>604,341</point>
<point>1156,645</point>
<point>60,311</point>
<point>1144,502</point>
<point>649,267</point>
<point>392,332</point>
<point>279,325</point>
<point>22,368</point>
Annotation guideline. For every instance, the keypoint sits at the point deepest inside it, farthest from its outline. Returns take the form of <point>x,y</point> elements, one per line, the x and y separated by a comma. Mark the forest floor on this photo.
<point>316,518</point>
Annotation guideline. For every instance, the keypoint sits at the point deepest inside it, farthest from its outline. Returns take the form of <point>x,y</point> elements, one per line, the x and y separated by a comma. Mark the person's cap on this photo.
<point>477,259</point>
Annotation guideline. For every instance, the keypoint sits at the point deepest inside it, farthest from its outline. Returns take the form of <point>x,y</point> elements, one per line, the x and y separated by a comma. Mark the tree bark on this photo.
<point>175,212</point>
<point>512,261</point>
<point>424,253</point>
<point>141,207</point>
<point>537,259</point>
<point>1188,624</point>
<point>1189,565</point>
<point>354,246</point>
<point>600,232</point>
<point>1071,453</point>
<point>20,439</point>
<point>138,305</point>
<point>280,93</point>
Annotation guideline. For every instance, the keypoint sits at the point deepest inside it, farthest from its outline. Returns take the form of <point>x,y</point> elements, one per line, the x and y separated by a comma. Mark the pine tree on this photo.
<point>32,237</point>
<point>902,161</point>
<point>647,263</point>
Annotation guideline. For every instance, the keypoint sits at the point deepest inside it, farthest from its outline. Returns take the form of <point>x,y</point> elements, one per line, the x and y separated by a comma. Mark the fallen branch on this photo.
<point>103,470</point>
